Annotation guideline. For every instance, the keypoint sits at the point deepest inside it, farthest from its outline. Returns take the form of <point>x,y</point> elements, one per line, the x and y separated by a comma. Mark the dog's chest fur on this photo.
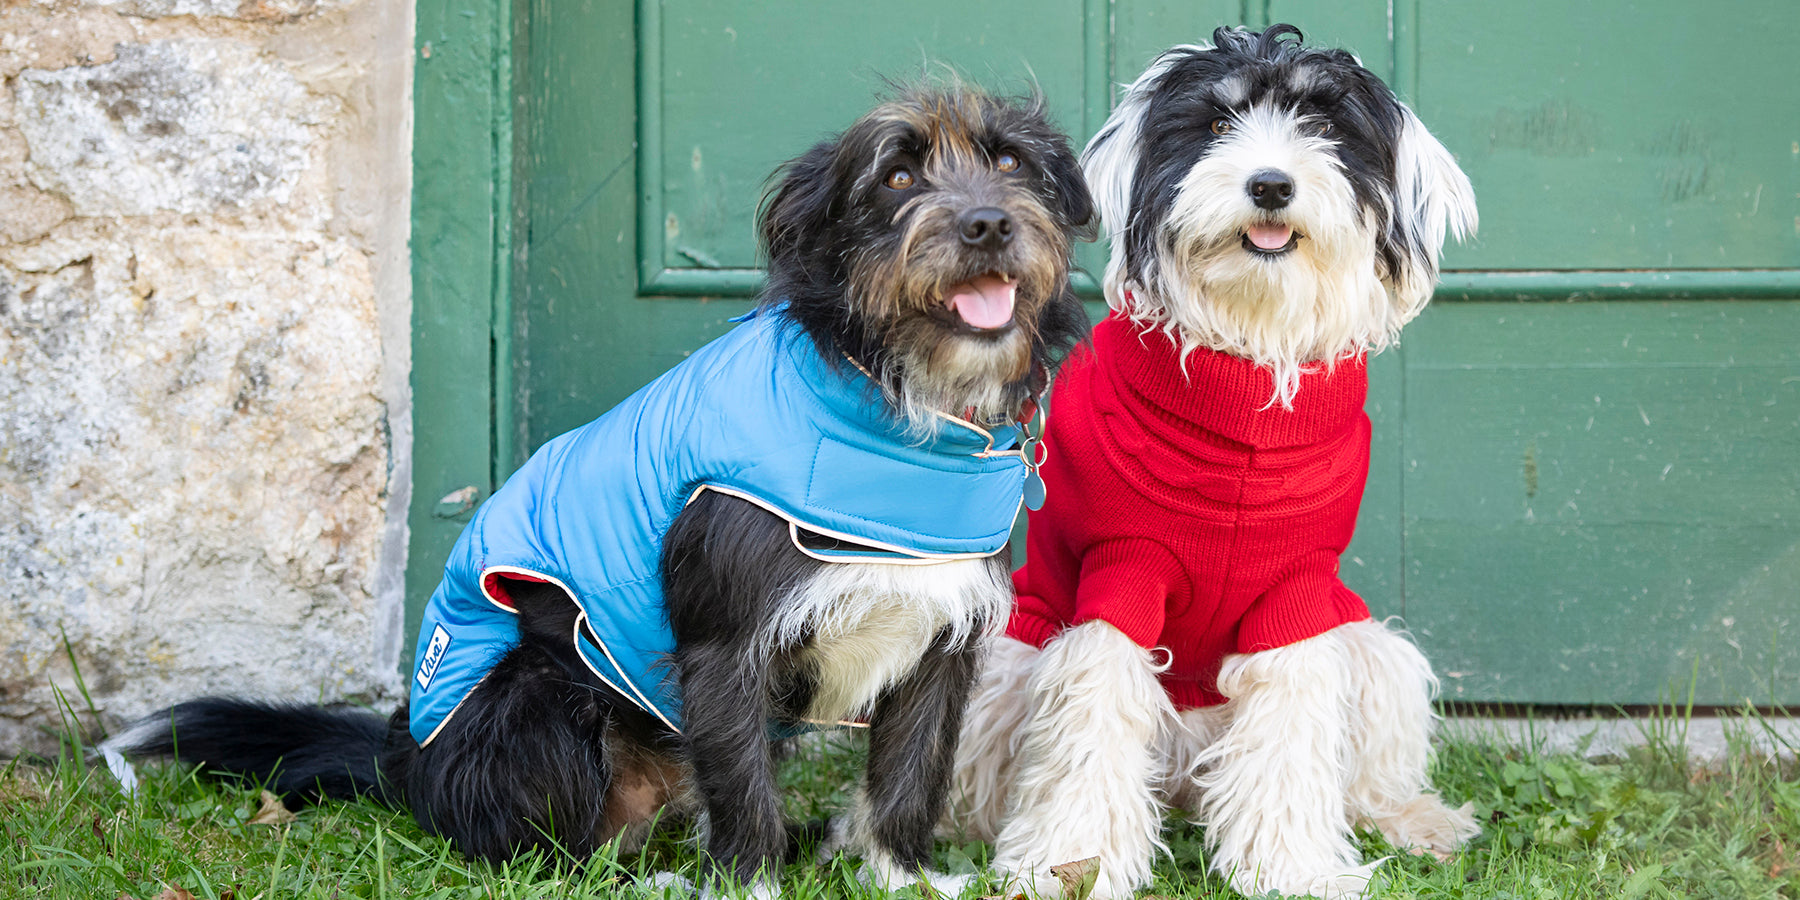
<point>865,625</point>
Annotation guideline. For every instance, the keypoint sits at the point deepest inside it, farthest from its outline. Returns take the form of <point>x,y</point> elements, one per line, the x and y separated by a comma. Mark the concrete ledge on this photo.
<point>1706,737</point>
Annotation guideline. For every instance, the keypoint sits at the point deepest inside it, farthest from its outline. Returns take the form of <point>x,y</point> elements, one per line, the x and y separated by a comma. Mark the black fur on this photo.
<point>541,754</point>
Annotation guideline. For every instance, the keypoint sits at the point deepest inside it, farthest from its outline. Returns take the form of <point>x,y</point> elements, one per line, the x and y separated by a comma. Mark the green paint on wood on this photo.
<point>1600,136</point>
<point>1597,495</point>
<point>459,220</point>
<point>1538,558</point>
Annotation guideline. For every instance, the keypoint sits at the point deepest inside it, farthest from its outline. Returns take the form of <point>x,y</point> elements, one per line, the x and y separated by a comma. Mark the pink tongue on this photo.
<point>986,302</point>
<point>1270,237</point>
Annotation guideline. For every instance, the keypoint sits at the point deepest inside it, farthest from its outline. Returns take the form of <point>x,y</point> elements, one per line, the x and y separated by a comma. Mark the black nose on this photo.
<point>1271,188</point>
<point>986,227</point>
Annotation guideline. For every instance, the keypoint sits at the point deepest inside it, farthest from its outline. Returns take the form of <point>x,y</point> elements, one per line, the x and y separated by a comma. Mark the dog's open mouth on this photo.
<point>1270,239</point>
<point>984,302</point>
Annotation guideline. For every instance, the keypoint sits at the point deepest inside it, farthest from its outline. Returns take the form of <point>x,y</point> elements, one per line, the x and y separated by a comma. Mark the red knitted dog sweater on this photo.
<point>1187,511</point>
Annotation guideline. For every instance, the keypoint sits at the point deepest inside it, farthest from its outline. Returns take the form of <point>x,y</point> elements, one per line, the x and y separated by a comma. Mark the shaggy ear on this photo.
<point>1110,160</point>
<point>1432,197</point>
<point>1070,191</point>
<point>799,205</point>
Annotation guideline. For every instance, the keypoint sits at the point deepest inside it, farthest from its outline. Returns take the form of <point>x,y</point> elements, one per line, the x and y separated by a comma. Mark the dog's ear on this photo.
<point>1070,190</point>
<point>1432,198</point>
<point>1110,163</point>
<point>798,205</point>
<point>1111,157</point>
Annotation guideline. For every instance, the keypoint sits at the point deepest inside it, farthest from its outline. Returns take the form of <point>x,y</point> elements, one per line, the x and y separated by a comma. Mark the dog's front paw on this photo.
<point>1089,879</point>
<point>672,886</point>
<point>1346,885</point>
<point>1426,825</point>
<point>880,870</point>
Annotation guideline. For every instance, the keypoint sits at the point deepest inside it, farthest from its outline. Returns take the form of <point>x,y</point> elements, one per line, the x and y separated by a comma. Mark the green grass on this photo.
<point>1653,824</point>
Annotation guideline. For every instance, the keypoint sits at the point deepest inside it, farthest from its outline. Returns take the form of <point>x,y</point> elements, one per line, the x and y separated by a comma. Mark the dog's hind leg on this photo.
<point>541,754</point>
<point>1087,770</point>
<point>988,752</point>
<point>1273,786</point>
<point>514,768</point>
<point>1391,744</point>
<point>912,751</point>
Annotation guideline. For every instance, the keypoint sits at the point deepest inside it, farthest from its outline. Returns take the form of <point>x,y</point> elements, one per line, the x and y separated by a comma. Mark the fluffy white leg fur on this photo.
<point>1088,765</point>
<point>1194,731</point>
<point>853,834</point>
<point>1391,745</point>
<point>988,751</point>
<point>1274,785</point>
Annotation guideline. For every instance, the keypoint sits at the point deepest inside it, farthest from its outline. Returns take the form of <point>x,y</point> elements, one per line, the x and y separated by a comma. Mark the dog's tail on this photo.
<point>303,753</point>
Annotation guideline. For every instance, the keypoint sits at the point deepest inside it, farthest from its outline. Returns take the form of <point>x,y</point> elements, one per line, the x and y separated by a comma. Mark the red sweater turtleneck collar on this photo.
<point>1226,395</point>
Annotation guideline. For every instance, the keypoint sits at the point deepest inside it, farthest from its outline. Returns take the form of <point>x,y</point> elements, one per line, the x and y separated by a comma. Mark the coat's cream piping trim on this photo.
<point>912,557</point>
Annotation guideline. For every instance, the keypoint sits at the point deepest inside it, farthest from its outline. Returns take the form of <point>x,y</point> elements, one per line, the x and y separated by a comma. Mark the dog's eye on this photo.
<point>900,179</point>
<point>1221,125</point>
<point>1322,129</point>
<point>1006,162</point>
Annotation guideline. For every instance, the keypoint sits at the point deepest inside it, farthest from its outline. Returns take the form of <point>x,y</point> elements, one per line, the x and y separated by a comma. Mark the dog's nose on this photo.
<point>986,227</point>
<point>1271,188</point>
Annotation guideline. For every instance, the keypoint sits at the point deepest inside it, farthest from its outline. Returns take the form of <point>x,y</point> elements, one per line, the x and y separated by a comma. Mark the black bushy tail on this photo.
<point>303,753</point>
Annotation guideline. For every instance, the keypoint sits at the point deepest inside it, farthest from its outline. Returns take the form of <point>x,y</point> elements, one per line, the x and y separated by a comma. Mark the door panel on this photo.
<point>1648,135</point>
<point>732,90</point>
<point>1543,545</point>
<point>1600,496</point>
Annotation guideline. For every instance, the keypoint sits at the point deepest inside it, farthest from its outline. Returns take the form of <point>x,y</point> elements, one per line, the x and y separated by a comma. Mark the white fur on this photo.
<point>988,752</point>
<point>1087,764</point>
<point>854,833</point>
<point>1317,736</point>
<point>114,748</point>
<point>1274,787</point>
<point>871,622</point>
<point>1433,197</point>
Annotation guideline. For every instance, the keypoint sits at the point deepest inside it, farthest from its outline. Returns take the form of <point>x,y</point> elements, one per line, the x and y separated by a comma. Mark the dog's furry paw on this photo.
<point>1346,885</point>
<point>1426,825</point>
<point>670,885</point>
<point>892,878</point>
<point>879,869</point>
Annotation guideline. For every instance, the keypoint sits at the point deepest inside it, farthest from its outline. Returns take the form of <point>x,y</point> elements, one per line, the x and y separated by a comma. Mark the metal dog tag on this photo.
<point>1034,491</point>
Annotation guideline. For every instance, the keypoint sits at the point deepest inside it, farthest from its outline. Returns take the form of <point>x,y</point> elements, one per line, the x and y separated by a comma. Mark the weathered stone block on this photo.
<point>183,126</point>
<point>193,467</point>
<point>27,214</point>
<point>253,10</point>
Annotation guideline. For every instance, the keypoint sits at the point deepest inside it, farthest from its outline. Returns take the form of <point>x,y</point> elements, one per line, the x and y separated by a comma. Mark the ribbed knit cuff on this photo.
<point>1126,584</point>
<point>1031,628</point>
<point>1298,610</point>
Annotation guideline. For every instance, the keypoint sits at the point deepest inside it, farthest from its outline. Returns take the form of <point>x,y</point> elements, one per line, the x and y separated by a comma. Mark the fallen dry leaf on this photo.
<point>273,812</point>
<point>171,892</point>
<point>1078,877</point>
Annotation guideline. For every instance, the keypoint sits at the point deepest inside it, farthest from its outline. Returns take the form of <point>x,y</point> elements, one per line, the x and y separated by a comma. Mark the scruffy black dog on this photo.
<point>917,299</point>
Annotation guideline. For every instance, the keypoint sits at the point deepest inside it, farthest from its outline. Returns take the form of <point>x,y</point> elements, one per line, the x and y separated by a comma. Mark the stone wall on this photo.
<point>204,425</point>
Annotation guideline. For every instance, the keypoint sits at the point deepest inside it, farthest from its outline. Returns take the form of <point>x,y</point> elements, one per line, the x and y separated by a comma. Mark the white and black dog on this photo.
<point>1181,637</point>
<point>805,520</point>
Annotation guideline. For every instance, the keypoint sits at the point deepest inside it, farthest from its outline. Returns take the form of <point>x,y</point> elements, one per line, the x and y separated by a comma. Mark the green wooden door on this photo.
<point>1586,479</point>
